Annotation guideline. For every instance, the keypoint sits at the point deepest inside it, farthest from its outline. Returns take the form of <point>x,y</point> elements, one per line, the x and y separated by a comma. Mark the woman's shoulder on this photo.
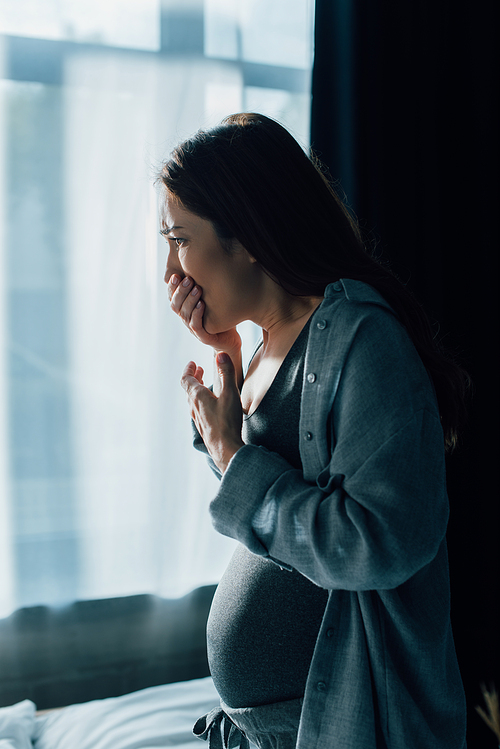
<point>366,342</point>
<point>365,361</point>
<point>354,292</point>
<point>349,304</point>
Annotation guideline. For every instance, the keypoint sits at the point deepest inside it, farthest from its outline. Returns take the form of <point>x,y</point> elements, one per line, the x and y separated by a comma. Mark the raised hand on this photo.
<point>217,418</point>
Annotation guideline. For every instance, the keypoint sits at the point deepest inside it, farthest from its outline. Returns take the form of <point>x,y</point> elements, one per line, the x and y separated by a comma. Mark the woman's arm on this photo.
<point>373,529</point>
<point>375,512</point>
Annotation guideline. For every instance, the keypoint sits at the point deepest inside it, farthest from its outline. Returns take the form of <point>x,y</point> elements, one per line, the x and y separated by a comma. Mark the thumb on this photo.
<point>226,370</point>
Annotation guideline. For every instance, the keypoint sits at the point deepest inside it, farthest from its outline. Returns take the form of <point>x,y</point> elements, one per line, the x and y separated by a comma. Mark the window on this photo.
<point>100,491</point>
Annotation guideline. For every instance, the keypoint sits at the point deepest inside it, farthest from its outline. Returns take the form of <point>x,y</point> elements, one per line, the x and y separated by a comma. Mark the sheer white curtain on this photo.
<point>6,577</point>
<point>101,492</point>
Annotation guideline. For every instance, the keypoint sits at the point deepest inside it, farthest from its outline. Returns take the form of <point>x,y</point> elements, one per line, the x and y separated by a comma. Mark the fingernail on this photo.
<point>195,291</point>
<point>198,305</point>
<point>222,358</point>
<point>186,282</point>
<point>174,280</point>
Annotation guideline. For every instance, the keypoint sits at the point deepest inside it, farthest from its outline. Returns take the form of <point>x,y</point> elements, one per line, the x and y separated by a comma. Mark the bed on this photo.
<point>160,716</point>
<point>128,673</point>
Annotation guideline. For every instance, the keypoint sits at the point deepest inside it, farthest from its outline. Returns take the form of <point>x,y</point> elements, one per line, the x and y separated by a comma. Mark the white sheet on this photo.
<point>156,717</point>
<point>17,724</point>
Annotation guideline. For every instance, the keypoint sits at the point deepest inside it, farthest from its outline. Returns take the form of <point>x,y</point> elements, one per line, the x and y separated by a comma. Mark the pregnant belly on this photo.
<point>261,631</point>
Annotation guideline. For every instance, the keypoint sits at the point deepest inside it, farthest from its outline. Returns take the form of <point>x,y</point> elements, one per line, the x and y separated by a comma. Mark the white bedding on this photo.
<point>156,717</point>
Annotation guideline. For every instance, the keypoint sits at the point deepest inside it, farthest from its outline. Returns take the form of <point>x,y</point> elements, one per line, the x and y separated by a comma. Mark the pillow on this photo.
<point>17,724</point>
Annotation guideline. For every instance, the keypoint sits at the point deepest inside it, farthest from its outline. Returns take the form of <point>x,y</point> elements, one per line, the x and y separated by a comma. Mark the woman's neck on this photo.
<point>284,321</point>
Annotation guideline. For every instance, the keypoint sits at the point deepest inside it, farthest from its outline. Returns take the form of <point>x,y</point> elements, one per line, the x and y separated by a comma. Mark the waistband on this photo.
<point>227,727</point>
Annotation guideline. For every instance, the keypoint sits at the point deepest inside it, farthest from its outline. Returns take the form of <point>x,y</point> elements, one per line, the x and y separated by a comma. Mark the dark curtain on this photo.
<point>405,116</point>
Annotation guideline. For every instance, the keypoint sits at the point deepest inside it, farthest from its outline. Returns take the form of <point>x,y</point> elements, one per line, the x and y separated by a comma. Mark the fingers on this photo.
<point>196,321</point>
<point>192,380</point>
<point>184,295</point>
<point>225,366</point>
<point>189,369</point>
<point>227,374</point>
<point>186,302</point>
<point>189,373</point>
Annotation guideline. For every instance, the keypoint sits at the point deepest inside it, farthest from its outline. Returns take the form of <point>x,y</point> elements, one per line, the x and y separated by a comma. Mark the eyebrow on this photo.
<point>168,229</point>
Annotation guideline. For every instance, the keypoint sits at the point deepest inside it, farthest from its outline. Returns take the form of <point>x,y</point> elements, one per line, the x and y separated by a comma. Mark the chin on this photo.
<point>209,326</point>
<point>214,329</point>
<point>214,325</point>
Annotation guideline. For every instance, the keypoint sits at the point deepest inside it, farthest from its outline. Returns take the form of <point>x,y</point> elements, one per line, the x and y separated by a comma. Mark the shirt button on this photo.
<point>337,286</point>
<point>321,686</point>
<point>308,436</point>
<point>311,377</point>
<point>329,632</point>
<point>321,324</point>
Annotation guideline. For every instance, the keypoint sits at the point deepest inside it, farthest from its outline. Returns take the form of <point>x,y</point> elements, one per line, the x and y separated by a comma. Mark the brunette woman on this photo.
<point>330,627</point>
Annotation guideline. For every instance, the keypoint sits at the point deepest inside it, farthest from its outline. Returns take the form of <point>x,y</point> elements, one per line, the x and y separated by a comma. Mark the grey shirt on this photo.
<point>264,620</point>
<point>366,518</point>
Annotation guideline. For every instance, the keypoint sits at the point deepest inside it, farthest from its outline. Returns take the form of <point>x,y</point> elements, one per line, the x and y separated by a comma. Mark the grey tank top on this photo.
<point>264,621</point>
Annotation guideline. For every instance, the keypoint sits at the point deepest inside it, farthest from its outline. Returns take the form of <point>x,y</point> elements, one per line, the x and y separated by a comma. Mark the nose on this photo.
<point>173,266</point>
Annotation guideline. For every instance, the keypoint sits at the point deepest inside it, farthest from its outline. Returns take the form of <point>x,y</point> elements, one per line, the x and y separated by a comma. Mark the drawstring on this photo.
<point>220,731</point>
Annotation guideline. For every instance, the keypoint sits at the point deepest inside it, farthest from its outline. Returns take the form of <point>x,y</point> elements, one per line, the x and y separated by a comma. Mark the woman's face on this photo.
<point>228,281</point>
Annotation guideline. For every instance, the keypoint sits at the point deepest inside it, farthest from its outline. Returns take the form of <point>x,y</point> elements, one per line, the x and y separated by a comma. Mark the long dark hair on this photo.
<point>253,181</point>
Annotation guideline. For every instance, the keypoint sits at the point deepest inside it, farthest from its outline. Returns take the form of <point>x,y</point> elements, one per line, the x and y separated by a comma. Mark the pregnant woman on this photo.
<point>330,627</point>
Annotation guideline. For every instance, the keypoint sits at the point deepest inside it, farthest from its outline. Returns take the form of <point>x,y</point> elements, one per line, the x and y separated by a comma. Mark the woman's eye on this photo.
<point>178,240</point>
